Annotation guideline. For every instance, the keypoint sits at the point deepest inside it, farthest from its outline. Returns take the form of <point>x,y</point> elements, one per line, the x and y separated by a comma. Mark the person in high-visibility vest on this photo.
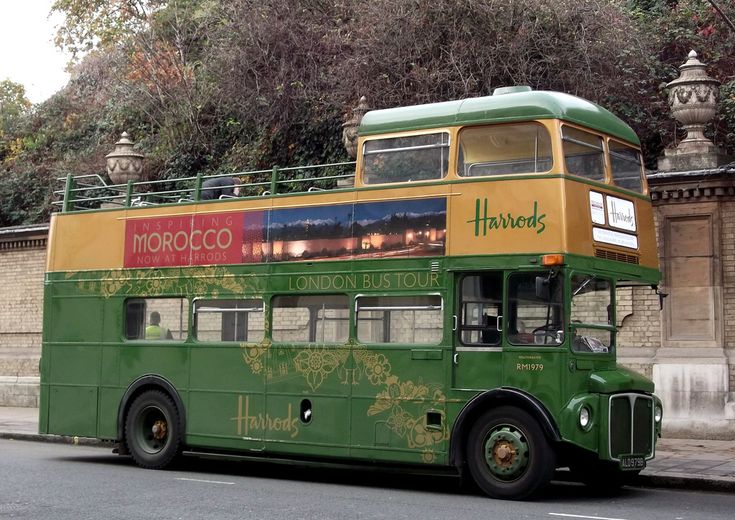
<point>155,330</point>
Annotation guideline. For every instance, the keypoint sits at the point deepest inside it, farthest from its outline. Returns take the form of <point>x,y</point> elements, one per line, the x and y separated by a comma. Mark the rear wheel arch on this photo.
<point>142,385</point>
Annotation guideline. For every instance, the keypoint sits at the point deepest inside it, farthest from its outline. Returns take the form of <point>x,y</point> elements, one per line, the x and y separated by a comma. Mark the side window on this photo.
<point>229,320</point>
<point>311,319</point>
<point>504,149</point>
<point>406,159</point>
<point>481,302</point>
<point>535,308</point>
<point>584,154</point>
<point>156,318</point>
<point>592,314</point>
<point>400,319</point>
<point>626,166</point>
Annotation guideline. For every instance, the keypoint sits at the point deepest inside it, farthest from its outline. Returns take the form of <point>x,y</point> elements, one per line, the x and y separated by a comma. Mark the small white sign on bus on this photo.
<point>597,208</point>
<point>621,213</point>
<point>615,238</point>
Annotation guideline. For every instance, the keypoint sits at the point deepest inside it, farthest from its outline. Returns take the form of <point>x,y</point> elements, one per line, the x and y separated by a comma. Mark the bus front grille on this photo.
<point>618,257</point>
<point>631,425</point>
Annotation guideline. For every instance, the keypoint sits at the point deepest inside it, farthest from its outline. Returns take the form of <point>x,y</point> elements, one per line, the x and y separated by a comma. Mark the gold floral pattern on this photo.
<point>212,281</point>
<point>396,396</point>
<point>378,370</point>
<point>253,355</point>
<point>315,363</point>
<point>401,421</point>
<point>404,402</point>
<point>114,283</point>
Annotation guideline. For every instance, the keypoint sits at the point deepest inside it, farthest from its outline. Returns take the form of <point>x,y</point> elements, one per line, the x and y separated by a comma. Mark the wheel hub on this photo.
<point>159,429</point>
<point>506,452</point>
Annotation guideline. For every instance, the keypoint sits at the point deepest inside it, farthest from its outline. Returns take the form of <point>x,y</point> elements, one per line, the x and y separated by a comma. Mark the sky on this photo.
<point>29,56</point>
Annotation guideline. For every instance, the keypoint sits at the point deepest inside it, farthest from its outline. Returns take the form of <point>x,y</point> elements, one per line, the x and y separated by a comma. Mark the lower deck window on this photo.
<point>400,319</point>
<point>311,319</point>
<point>229,320</point>
<point>156,318</point>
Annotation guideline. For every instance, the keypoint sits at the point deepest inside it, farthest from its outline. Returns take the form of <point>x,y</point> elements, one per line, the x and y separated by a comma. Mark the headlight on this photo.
<point>658,414</point>
<point>584,417</point>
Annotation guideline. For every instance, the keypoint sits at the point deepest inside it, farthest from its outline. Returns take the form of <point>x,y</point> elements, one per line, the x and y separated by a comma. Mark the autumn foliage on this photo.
<point>215,85</point>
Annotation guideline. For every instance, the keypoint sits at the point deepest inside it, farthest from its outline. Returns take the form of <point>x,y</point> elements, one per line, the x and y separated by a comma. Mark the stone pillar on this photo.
<point>694,197</point>
<point>692,366</point>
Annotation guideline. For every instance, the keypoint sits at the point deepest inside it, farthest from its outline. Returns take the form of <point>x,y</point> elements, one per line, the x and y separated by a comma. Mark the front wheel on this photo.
<point>153,430</point>
<point>508,454</point>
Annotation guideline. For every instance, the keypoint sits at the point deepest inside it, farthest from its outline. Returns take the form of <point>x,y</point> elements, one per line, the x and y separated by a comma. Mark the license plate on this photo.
<point>632,462</point>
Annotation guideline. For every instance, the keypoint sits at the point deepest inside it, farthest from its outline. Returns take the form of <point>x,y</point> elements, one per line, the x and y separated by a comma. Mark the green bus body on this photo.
<point>423,402</point>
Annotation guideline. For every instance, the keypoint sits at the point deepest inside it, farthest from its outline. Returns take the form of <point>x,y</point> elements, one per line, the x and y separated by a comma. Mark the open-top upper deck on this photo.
<point>518,173</point>
<point>510,105</point>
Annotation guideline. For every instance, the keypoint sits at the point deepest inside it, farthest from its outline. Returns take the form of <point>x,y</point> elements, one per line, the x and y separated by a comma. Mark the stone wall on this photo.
<point>695,376</point>
<point>727,252</point>
<point>22,266</point>
<point>688,348</point>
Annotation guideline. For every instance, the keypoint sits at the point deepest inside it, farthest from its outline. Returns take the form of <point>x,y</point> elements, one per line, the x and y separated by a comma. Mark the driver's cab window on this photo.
<point>535,309</point>
<point>592,309</point>
<point>481,303</point>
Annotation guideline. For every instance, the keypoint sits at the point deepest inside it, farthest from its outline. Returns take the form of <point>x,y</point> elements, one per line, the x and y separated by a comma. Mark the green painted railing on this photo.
<point>87,192</point>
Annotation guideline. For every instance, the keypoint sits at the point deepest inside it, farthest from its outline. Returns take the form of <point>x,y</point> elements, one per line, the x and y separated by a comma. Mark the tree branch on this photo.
<point>723,15</point>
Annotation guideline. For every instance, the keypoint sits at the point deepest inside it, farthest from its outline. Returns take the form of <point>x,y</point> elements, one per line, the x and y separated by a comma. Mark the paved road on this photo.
<point>60,481</point>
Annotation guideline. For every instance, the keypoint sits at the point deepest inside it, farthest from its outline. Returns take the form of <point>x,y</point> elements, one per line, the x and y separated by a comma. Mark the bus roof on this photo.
<point>519,104</point>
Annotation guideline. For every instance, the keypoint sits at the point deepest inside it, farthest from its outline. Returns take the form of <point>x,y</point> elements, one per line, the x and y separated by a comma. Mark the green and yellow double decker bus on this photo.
<point>452,306</point>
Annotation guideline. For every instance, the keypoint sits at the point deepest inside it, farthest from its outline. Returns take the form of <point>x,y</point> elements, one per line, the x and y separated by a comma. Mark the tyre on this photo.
<point>508,455</point>
<point>153,430</point>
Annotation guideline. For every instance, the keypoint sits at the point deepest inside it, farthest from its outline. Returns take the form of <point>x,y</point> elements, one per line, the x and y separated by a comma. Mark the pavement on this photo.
<point>692,464</point>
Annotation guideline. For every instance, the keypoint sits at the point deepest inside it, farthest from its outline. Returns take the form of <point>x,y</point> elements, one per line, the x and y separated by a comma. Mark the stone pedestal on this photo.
<point>695,398</point>
<point>704,156</point>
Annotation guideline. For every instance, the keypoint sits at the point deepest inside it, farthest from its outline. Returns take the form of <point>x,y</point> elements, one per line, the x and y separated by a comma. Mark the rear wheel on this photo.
<point>508,454</point>
<point>153,430</point>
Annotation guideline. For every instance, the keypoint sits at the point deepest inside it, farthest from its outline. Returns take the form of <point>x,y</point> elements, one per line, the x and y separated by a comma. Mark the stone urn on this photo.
<point>349,128</point>
<point>123,163</point>
<point>693,99</point>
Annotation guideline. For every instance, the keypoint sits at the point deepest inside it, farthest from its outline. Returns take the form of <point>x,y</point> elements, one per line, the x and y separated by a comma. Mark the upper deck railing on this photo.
<point>88,192</point>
